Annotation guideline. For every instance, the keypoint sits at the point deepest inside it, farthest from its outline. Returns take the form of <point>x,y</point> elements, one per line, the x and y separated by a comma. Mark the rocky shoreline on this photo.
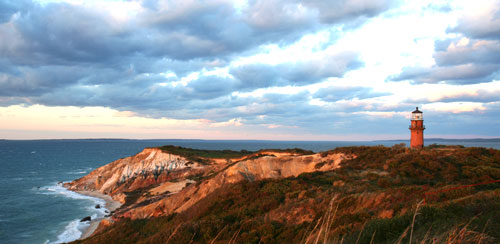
<point>111,205</point>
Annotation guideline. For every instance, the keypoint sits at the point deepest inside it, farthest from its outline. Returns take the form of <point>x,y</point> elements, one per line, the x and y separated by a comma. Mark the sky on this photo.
<point>248,69</point>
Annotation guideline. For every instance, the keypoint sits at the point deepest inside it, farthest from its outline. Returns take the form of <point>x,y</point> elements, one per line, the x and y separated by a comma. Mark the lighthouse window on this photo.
<point>417,116</point>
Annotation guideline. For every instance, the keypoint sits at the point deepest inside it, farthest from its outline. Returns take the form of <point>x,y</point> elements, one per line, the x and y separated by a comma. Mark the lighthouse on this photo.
<point>417,129</point>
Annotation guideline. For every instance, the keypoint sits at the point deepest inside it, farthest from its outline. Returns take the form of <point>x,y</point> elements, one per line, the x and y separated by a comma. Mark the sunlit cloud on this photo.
<point>259,69</point>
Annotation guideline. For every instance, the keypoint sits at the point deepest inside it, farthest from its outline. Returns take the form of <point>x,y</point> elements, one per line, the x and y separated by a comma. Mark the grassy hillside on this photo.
<point>201,156</point>
<point>377,197</point>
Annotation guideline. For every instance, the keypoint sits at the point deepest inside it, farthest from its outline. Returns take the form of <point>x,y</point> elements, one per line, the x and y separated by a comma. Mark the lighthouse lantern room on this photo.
<point>417,129</point>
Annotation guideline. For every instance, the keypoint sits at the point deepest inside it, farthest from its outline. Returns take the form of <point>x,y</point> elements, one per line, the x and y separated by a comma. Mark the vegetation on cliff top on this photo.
<point>376,197</point>
<point>201,155</point>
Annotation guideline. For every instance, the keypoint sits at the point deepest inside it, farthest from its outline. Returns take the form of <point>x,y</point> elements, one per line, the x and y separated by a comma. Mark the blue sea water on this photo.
<point>35,209</point>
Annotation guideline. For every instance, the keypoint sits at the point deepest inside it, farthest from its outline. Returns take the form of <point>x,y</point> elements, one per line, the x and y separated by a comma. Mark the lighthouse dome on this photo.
<point>417,115</point>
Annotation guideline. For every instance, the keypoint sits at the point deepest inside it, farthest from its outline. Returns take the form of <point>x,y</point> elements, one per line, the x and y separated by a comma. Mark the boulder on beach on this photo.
<point>98,206</point>
<point>88,218</point>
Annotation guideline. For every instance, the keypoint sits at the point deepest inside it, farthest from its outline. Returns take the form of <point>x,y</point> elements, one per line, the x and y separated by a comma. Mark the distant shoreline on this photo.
<point>496,139</point>
<point>453,140</point>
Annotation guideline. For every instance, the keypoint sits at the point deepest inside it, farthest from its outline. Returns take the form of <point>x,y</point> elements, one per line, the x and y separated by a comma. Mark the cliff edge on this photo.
<point>438,194</point>
<point>157,182</point>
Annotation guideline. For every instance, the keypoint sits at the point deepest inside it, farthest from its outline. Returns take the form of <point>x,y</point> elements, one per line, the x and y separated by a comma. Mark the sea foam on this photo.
<point>74,229</point>
<point>71,232</point>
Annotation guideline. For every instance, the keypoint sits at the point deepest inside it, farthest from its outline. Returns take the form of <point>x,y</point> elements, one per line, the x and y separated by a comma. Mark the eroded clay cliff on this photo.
<point>150,167</point>
<point>168,183</point>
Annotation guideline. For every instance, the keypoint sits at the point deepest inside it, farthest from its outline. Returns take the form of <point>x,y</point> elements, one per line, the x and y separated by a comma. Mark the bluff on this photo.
<point>158,182</point>
<point>347,195</point>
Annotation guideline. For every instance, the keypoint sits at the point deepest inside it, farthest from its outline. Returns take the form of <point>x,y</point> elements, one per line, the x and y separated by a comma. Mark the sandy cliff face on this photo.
<point>170,183</point>
<point>149,167</point>
<point>284,165</point>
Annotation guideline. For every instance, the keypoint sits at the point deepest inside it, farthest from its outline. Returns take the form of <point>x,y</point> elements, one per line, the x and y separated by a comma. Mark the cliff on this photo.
<point>156,182</point>
<point>150,167</point>
<point>272,166</point>
<point>347,195</point>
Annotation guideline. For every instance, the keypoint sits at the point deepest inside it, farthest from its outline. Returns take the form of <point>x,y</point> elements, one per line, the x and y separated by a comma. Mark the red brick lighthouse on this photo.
<point>417,129</point>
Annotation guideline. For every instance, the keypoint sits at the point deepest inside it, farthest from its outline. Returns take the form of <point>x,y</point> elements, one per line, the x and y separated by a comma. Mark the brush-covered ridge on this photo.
<point>347,195</point>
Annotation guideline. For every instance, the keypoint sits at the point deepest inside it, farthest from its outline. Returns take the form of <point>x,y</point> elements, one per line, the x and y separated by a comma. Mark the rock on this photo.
<point>106,211</point>
<point>88,218</point>
<point>98,206</point>
<point>60,183</point>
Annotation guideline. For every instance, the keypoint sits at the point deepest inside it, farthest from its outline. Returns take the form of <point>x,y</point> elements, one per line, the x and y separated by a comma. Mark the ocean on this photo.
<point>34,208</point>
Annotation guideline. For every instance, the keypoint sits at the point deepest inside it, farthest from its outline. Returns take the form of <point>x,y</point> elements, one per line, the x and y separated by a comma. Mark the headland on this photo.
<point>367,193</point>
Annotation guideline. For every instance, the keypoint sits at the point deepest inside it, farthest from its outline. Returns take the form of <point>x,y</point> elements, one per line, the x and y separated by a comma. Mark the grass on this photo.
<point>345,205</point>
<point>201,155</point>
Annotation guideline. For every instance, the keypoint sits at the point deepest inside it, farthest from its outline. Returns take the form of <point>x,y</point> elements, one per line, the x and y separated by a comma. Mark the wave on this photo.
<point>74,229</point>
<point>60,190</point>
<point>78,172</point>
<point>71,232</point>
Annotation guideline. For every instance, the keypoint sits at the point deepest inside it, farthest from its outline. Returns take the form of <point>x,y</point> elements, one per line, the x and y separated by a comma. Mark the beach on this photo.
<point>111,205</point>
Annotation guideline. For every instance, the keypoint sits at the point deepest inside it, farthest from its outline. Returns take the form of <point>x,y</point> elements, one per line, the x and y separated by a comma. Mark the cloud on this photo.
<point>333,11</point>
<point>10,7</point>
<point>458,74</point>
<point>441,7</point>
<point>253,76</point>
<point>458,61</point>
<point>55,33</point>
<point>466,51</point>
<point>279,15</point>
<point>480,22</point>
<point>333,93</point>
<point>298,73</point>
<point>472,95</point>
<point>209,87</point>
<point>176,59</point>
<point>472,56</point>
<point>60,53</point>
<point>26,81</point>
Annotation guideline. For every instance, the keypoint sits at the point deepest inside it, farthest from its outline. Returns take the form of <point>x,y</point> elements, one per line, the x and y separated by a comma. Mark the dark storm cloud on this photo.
<point>333,94</point>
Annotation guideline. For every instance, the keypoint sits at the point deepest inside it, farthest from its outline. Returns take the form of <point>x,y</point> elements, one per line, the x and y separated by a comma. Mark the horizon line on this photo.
<point>177,139</point>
